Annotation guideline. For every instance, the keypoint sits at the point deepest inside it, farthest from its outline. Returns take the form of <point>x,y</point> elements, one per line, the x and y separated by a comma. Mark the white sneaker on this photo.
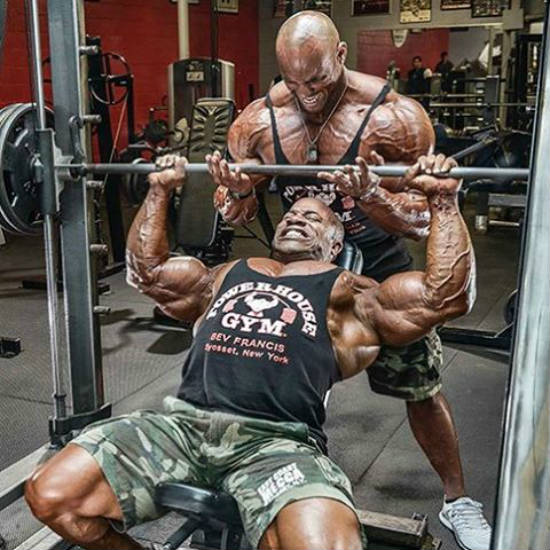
<point>464,517</point>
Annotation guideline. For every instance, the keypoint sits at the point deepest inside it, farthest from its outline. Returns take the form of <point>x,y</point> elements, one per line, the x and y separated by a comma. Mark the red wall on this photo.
<point>145,33</point>
<point>375,50</point>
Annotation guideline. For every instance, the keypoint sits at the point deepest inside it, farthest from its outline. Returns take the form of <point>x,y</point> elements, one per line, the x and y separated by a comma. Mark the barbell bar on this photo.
<point>460,172</point>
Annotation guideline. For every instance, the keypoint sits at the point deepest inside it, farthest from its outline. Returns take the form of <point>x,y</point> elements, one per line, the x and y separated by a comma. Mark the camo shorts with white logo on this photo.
<point>264,465</point>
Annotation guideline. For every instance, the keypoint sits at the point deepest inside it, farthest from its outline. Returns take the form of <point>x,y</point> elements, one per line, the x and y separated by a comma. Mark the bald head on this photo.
<point>311,59</point>
<point>305,28</point>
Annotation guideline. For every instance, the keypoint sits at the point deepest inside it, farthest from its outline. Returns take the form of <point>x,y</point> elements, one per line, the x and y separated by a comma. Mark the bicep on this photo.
<point>181,287</point>
<point>401,131</point>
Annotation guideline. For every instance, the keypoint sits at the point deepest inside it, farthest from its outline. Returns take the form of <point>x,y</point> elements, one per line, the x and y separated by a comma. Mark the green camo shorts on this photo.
<point>264,465</point>
<point>412,372</point>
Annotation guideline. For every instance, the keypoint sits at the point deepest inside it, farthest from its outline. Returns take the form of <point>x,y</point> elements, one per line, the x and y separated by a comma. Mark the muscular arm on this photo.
<point>403,214</point>
<point>399,132</point>
<point>407,305</point>
<point>243,138</point>
<point>181,286</point>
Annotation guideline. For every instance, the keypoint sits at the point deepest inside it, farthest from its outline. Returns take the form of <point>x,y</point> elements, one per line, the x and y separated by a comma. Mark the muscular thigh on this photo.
<point>136,452</point>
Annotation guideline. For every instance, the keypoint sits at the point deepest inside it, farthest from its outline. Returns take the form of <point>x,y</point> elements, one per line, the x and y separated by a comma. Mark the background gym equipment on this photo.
<point>20,208</point>
<point>198,222</point>
<point>531,334</point>
<point>192,79</point>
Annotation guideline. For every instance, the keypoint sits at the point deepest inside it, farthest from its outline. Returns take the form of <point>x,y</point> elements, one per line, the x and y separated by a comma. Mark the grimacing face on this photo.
<point>312,74</point>
<point>307,232</point>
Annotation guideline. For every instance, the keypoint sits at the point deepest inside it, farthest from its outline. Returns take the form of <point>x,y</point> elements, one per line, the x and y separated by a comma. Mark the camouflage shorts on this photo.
<point>264,465</point>
<point>412,372</point>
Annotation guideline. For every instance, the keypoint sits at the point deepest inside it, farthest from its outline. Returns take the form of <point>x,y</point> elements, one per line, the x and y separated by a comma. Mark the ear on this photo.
<point>342,52</point>
<point>335,249</point>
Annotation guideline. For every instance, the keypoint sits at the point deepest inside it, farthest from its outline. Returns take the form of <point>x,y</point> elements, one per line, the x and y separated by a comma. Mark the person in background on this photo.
<point>419,79</point>
<point>444,68</point>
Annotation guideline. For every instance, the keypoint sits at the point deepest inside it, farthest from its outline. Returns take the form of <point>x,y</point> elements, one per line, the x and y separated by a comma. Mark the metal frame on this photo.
<point>69,80</point>
<point>522,518</point>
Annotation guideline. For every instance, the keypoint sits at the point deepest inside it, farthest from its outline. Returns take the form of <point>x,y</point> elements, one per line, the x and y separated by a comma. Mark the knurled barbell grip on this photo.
<point>387,170</point>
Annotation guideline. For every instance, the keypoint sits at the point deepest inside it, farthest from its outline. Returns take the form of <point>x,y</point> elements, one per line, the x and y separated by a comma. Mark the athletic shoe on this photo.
<point>464,517</point>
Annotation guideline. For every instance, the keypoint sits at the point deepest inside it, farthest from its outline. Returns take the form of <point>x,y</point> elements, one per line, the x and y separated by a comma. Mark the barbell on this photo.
<point>20,204</point>
<point>389,170</point>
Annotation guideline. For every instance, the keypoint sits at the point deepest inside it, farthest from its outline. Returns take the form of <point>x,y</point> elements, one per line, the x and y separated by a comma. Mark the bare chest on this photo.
<point>332,138</point>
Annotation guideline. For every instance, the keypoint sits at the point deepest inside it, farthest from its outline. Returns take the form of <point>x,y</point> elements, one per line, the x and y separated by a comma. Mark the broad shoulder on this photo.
<point>255,113</point>
<point>399,128</point>
<point>364,88</point>
<point>280,95</point>
<point>248,130</point>
<point>348,286</point>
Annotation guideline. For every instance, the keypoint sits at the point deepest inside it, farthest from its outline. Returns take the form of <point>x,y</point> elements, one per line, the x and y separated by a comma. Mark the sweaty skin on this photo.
<point>362,314</point>
<point>311,59</point>
<point>70,493</point>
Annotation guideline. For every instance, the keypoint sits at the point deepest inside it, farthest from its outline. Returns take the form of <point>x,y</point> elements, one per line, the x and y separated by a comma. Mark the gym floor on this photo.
<point>368,434</point>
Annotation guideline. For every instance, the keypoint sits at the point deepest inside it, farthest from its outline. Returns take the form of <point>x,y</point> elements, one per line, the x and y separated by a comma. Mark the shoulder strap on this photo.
<point>354,147</point>
<point>280,157</point>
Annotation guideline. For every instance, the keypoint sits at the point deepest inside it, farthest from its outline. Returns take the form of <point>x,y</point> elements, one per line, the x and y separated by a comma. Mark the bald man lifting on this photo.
<point>271,337</point>
<point>324,113</point>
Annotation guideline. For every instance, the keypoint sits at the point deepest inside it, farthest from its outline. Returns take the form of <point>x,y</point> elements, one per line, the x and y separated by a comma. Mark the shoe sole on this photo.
<point>448,525</point>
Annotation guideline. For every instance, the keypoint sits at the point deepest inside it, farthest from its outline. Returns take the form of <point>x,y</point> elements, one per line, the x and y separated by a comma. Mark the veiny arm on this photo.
<point>406,306</point>
<point>181,286</point>
<point>242,139</point>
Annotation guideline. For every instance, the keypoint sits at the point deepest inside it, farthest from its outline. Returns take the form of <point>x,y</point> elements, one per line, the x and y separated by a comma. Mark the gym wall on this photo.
<point>351,27</point>
<point>376,50</point>
<point>145,32</point>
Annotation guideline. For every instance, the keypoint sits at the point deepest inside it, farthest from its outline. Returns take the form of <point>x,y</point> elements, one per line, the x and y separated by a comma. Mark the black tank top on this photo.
<point>383,254</point>
<point>263,349</point>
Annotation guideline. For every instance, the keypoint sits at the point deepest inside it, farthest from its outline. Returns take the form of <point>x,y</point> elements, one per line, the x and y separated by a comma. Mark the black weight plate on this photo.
<point>19,194</point>
<point>5,222</point>
<point>135,186</point>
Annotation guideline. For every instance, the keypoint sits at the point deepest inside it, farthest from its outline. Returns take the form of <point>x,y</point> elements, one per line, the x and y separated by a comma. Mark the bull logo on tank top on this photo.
<point>251,320</point>
<point>259,308</point>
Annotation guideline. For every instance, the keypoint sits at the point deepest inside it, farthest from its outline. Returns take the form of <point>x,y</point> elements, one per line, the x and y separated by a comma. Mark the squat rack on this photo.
<point>523,504</point>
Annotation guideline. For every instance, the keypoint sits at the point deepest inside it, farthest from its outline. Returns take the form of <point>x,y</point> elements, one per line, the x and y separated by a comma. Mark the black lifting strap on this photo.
<point>3,17</point>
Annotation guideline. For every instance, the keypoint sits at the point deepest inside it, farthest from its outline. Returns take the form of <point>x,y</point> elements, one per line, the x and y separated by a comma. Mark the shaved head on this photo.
<point>306,27</point>
<point>311,58</point>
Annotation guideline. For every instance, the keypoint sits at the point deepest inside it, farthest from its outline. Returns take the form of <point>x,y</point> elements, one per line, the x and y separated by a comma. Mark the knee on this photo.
<point>44,496</point>
<point>431,403</point>
<point>316,525</point>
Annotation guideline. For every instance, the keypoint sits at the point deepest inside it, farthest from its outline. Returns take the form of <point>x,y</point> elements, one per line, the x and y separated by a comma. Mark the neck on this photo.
<point>334,97</point>
<point>288,258</point>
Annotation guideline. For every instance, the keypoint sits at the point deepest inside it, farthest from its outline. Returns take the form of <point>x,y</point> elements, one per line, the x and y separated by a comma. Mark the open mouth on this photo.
<point>294,233</point>
<point>311,100</point>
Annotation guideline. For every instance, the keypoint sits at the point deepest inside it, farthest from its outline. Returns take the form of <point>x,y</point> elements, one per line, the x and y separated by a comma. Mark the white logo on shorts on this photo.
<point>283,479</point>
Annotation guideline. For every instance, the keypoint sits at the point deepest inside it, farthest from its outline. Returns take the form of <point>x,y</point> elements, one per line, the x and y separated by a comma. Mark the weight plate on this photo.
<point>19,194</point>
<point>4,220</point>
<point>135,186</point>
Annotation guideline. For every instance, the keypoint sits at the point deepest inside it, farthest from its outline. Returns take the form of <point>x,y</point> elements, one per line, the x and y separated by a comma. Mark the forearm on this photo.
<point>147,243</point>
<point>234,210</point>
<point>398,213</point>
<point>450,264</point>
